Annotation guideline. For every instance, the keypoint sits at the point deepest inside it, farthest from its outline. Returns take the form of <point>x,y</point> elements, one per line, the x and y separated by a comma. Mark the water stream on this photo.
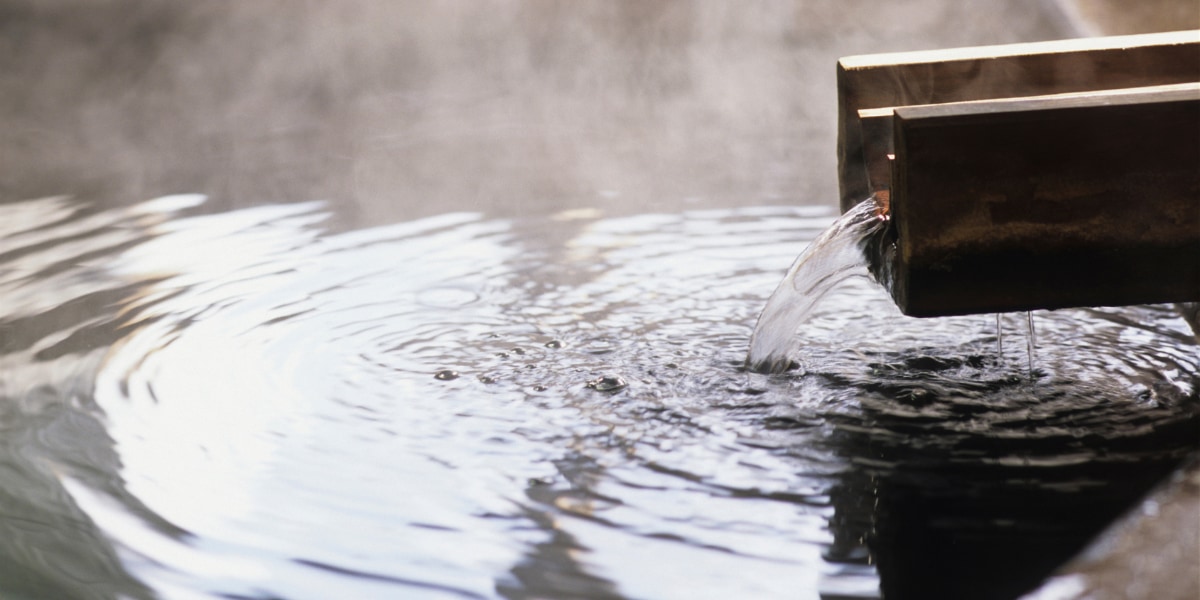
<point>255,403</point>
<point>834,256</point>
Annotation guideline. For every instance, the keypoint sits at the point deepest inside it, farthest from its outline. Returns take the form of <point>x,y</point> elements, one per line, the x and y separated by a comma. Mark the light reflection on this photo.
<point>278,397</point>
<point>228,405</point>
<point>270,398</point>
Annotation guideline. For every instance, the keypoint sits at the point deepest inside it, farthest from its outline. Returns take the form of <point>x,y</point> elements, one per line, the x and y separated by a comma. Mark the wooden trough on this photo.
<point>1029,176</point>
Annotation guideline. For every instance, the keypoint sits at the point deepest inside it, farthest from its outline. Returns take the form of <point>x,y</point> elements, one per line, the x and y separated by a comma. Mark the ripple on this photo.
<point>449,404</point>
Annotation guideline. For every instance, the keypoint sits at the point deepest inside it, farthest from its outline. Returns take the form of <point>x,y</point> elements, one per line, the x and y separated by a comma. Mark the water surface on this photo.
<point>259,404</point>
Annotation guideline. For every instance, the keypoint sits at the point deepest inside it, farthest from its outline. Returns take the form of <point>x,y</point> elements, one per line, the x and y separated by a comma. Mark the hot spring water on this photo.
<point>253,403</point>
<point>836,255</point>
<point>830,259</point>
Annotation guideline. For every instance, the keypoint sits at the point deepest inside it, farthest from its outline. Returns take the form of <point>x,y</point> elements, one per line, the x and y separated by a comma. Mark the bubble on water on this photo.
<point>608,383</point>
<point>446,375</point>
<point>554,344</point>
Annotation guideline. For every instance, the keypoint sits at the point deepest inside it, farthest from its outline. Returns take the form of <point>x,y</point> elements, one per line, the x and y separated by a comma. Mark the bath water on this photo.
<point>203,402</point>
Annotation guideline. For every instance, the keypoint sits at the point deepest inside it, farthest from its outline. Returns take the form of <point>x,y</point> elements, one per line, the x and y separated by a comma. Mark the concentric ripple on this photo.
<point>248,404</point>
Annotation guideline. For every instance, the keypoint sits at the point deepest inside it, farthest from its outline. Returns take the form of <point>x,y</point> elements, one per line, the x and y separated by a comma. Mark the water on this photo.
<point>834,256</point>
<point>200,402</point>
<point>1030,341</point>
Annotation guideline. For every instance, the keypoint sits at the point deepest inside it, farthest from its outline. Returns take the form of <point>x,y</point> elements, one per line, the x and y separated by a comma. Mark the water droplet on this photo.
<point>608,383</point>
<point>446,375</point>
<point>554,344</point>
<point>539,388</point>
<point>517,351</point>
<point>486,379</point>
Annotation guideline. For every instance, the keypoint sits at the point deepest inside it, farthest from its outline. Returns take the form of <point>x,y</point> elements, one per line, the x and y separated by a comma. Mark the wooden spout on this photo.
<point>1018,201</point>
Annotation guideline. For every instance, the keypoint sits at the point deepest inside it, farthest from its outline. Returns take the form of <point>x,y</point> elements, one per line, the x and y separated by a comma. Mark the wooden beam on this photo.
<point>1082,199</point>
<point>994,72</point>
<point>878,129</point>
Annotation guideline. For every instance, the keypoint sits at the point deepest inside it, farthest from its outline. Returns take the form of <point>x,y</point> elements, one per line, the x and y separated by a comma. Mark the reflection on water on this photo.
<point>250,406</point>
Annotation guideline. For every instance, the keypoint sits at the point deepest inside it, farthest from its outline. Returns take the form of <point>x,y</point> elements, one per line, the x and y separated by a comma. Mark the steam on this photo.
<point>399,109</point>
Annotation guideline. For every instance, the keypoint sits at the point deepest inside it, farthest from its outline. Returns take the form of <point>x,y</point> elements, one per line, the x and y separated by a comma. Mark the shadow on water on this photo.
<point>980,488</point>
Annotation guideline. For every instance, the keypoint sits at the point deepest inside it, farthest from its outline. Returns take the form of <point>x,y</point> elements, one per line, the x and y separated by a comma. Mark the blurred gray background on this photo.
<point>393,110</point>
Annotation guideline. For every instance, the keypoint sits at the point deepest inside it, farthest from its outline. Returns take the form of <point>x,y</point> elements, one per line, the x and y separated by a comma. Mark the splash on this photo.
<point>834,256</point>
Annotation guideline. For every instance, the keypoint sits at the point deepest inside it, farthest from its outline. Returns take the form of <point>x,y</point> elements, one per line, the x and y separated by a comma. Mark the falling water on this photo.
<point>999,339</point>
<point>1030,342</point>
<point>829,260</point>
